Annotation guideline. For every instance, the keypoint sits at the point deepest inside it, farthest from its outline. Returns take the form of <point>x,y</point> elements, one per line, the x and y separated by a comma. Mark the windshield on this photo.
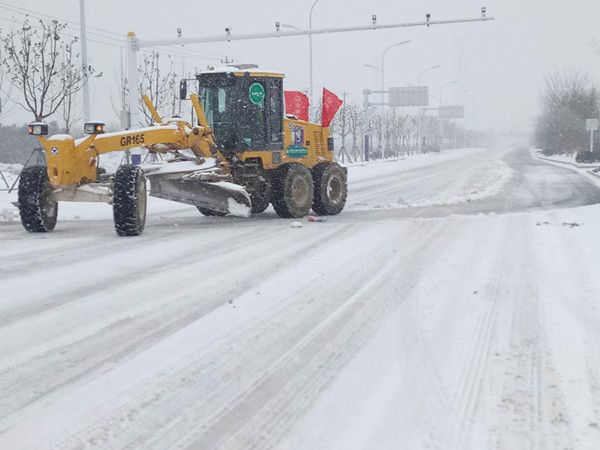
<point>218,105</point>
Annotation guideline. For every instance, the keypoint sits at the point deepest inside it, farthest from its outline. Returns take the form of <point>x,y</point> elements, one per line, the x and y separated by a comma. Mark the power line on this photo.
<point>75,26</point>
<point>19,10</point>
<point>66,34</point>
<point>122,45</point>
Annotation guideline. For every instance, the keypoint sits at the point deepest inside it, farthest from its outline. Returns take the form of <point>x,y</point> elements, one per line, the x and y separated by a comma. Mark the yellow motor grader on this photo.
<point>245,154</point>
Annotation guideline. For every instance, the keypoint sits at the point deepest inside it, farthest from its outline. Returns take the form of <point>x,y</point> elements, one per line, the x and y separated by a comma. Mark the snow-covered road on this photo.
<point>454,305</point>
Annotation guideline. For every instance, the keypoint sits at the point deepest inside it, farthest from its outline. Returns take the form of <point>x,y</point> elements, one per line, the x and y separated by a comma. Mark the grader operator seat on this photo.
<point>244,108</point>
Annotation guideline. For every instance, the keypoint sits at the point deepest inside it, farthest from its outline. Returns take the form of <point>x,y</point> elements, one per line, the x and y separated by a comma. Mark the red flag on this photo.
<point>331,104</point>
<point>296,103</point>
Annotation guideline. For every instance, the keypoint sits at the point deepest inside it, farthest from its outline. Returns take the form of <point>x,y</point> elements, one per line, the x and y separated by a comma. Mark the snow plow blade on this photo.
<point>222,197</point>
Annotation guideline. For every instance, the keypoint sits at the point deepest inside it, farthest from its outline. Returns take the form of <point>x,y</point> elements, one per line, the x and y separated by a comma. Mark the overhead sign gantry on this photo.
<point>134,44</point>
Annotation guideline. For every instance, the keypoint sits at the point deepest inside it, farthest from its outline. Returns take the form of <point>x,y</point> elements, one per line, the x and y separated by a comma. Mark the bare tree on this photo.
<point>119,102</point>
<point>339,126</point>
<point>315,112</point>
<point>404,134</point>
<point>5,91</point>
<point>69,112</point>
<point>43,67</point>
<point>389,130</point>
<point>157,85</point>
<point>378,128</point>
<point>567,100</point>
<point>355,126</point>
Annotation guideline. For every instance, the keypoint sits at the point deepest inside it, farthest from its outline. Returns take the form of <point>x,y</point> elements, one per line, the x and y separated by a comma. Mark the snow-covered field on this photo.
<point>475,331</point>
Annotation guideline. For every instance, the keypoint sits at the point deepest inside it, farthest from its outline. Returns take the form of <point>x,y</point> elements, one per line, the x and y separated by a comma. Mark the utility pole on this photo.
<point>132,80</point>
<point>311,51</point>
<point>84,62</point>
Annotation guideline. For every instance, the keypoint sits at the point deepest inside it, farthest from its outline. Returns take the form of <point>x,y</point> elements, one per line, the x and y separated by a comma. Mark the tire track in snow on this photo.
<point>570,405</point>
<point>125,337</point>
<point>198,387</point>
<point>467,397</point>
<point>347,333</point>
<point>517,417</point>
<point>102,277</point>
<point>417,357</point>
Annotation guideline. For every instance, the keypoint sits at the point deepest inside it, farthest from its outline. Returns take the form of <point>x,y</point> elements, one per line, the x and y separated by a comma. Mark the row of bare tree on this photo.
<point>567,100</point>
<point>394,134</point>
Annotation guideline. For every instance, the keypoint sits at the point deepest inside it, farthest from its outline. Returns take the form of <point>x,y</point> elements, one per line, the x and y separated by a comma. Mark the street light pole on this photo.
<point>426,70</point>
<point>420,146</point>
<point>367,109</point>
<point>444,87</point>
<point>84,62</point>
<point>293,27</point>
<point>311,51</point>
<point>383,69</point>
<point>383,77</point>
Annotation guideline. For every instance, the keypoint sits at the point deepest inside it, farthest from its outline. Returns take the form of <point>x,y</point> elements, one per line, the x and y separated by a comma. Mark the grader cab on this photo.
<point>245,155</point>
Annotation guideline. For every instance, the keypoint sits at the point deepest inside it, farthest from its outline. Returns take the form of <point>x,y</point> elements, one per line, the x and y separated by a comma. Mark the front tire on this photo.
<point>129,200</point>
<point>331,189</point>
<point>292,191</point>
<point>38,213</point>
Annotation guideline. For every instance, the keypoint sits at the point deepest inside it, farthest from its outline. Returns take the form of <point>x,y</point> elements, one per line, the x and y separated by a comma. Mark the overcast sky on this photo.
<point>503,62</point>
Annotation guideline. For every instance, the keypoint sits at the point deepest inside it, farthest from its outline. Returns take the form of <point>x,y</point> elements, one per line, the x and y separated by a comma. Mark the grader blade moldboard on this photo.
<point>222,197</point>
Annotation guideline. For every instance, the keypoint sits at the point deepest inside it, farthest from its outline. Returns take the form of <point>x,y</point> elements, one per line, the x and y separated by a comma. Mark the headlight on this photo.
<point>38,129</point>
<point>93,128</point>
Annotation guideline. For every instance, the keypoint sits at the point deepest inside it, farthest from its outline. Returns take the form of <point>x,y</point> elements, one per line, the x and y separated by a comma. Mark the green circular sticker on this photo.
<point>256,93</point>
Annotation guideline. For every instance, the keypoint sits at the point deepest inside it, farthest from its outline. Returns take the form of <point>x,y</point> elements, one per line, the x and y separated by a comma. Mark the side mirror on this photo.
<point>183,89</point>
<point>38,129</point>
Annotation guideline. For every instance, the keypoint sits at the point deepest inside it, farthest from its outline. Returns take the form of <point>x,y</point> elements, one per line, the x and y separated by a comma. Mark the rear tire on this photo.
<point>38,212</point>
<point>331,189</point>
<point>292,191</point>
<point>129,200</point>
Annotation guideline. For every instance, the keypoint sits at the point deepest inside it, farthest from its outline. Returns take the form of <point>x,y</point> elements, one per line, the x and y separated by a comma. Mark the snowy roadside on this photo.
<point>564,159</point>
<point>568,162</point>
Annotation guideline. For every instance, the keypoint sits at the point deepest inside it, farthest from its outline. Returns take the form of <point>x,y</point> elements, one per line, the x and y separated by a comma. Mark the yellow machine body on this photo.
<point>304,143</point>
<point>72,162</point>
<point>248,155</point>
<point>75,161</point>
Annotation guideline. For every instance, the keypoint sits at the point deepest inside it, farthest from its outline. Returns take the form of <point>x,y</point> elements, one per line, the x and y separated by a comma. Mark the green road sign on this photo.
<point>296,151</point>
<point>256,93</point>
